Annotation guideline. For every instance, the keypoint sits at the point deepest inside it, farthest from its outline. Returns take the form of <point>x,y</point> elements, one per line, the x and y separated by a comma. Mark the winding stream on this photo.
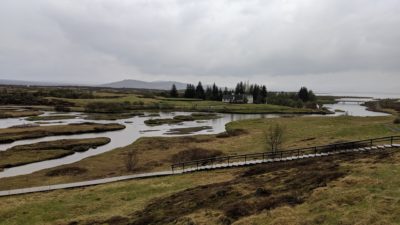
<point>136,128</point>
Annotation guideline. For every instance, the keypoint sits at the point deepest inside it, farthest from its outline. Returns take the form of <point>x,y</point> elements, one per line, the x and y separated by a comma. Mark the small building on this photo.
<point>239,99</point>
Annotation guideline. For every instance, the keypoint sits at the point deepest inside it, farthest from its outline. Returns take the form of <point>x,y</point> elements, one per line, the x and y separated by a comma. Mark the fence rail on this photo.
<point>315,150</point>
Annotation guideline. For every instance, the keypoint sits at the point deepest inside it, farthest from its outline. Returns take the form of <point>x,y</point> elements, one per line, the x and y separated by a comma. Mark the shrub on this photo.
<point>67,171</point>
<point>105,107</point>
<point>397,120</point>
<point>62,108</point>
<point>195,154</point>
<point>131,160</point>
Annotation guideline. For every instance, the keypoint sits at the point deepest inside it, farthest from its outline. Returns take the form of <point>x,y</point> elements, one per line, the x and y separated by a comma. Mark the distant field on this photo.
<point>189,105</point>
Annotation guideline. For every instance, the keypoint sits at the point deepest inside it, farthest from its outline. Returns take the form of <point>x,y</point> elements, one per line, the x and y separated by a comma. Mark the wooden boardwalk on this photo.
<point>219,163</point>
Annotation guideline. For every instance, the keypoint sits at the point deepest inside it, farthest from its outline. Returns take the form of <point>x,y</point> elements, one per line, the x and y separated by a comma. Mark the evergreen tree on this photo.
<point>311,96</point>
<point>239,90</point>
<point>256,92</point>
<point>209,93</point>
<point>174,92</point>
<point>303,94</point>
<point>264,94</point>
<point>220,94</point>
<point>190,91</point>
<point>215,93</point>
<point>200,91</point>
<point>226,91</point>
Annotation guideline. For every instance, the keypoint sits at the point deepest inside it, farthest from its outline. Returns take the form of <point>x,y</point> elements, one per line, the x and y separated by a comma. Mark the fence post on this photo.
<point>391,140</point>
<point>370,143</point>
<point>281,155</point>
<point>263,157</point>
<point>172,168</point>
<point>245,159</point>
<point>183,167</point>
<point>197,165</point>
<point>228,160</point>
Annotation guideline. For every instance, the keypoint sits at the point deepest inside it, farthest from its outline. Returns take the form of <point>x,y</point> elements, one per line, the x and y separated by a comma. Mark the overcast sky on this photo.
<point>329,45</point>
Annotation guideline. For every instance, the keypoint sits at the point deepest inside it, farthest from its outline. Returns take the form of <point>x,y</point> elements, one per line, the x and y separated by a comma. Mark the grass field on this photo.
<point>160,103</point>
<point>348,189</point>
<point>157,153</point>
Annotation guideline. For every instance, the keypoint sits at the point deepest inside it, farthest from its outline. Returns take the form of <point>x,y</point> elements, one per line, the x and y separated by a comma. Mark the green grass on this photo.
<point>94,202</point>
<point>366,192</point>
<point>159,103</point>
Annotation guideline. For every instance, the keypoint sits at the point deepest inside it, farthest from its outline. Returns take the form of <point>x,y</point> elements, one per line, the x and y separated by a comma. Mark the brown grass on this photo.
<point>8,135</point>
<point>25,154</point>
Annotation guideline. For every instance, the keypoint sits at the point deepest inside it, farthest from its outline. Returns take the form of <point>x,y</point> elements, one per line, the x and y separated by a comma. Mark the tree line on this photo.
<point>215,93</point>
<point>302,98</point>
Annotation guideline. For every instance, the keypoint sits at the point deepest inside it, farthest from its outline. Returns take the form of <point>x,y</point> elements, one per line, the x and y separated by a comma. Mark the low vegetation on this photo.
<point>195,154</point>
<point>187,130</point>
<point>112,116</point>
<point>52,117</point>
<point>8,135</point>
<point>181,118</point>
<point>384,105</point>
<point>24,154</point>
<point>334,190</point>
<point>397,120</point>
<point>15,113</point>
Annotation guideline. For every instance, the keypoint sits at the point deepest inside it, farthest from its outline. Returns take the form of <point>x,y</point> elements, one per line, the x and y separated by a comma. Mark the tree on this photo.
<point>190,91</point>
<point>264,94</point>
<point>239,90</point>
<point>215,92</point>
<point>131,160</point>
<point>303,94</point>
<point>200,91</point>
<point>209,94</point>
<point>275,137</point>
<point>311,96</point>
<point>174,93</point>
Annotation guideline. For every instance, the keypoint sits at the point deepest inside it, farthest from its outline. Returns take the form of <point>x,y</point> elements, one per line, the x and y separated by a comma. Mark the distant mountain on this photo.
<point>33,83</point>
<point>158,85</point>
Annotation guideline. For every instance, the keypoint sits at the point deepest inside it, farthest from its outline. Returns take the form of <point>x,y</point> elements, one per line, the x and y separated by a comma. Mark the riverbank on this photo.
<point>30,153</point>
<point>157,153</point>
<point>9,135</point>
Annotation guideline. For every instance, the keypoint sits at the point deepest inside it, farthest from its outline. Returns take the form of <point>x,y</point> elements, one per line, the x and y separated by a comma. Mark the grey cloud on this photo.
<point>239,39</point>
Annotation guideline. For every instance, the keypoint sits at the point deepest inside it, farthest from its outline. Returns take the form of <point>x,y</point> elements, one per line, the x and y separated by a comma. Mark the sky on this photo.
<point>328,46</point>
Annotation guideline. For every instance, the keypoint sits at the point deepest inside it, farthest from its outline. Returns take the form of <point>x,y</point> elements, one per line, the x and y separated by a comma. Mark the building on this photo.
<point>239,99</point>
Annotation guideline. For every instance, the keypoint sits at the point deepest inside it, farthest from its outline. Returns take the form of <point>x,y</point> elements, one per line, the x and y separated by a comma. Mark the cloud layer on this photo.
<point>281,43</point>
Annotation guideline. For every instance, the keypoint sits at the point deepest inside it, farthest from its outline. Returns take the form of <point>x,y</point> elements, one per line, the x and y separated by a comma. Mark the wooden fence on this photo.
<point>295,153</point>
